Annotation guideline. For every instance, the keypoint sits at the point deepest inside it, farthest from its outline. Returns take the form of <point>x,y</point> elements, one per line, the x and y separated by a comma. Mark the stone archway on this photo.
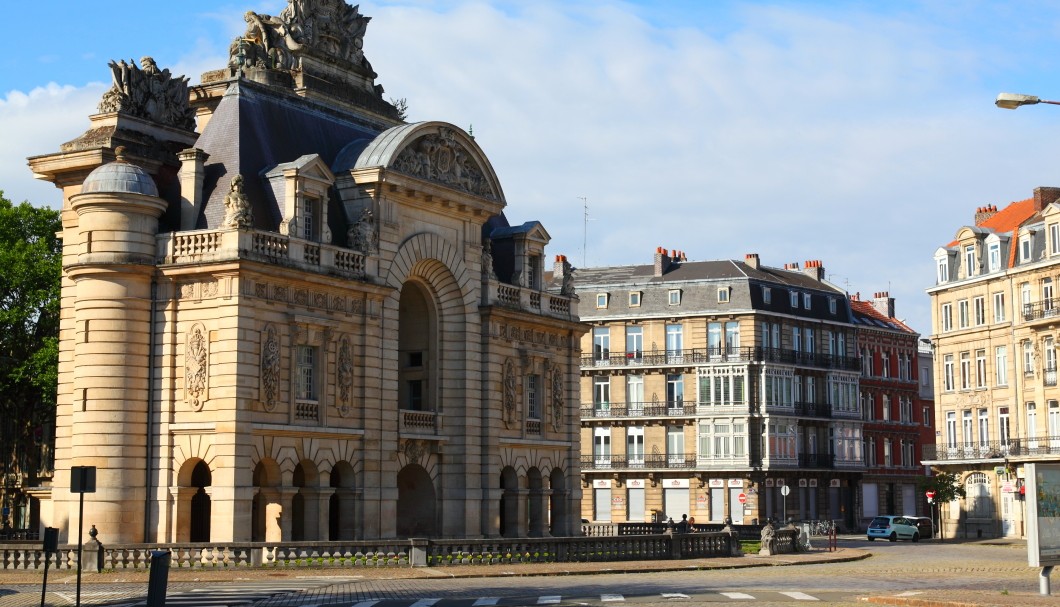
<point>558,523</point>
<point>200,503</point>
<point>416,507</point>
<point>510,502</point>
<point>341,503</point>
<point>417,348</point>
<point>265,510</point>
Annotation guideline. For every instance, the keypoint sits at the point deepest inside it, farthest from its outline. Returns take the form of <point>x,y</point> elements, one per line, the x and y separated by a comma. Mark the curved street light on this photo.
<point>1011,101</point>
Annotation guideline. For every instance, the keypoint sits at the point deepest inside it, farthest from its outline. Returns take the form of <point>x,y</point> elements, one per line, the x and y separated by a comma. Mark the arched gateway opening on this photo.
<point>416,510</point>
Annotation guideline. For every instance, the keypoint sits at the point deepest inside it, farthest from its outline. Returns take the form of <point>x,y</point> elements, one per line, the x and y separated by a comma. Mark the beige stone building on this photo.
<point>718,389</point>
<point>995,323</point>
<point>289,315</point>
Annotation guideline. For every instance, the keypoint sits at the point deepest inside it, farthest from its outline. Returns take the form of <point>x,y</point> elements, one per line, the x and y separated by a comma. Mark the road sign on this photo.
<point>785,490</point>
<point>930,496</point>
<point>742,498</point>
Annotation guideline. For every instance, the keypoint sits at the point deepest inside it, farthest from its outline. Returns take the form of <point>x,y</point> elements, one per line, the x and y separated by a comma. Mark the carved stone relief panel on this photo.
<point>556,380</point>
<point>270,367</point>
<point>509,414</point>
<point>196,366</point>
<point>344,373</point>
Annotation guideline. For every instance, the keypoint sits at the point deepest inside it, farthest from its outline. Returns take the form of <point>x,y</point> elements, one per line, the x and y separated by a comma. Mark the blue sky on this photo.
<point>862,134</point>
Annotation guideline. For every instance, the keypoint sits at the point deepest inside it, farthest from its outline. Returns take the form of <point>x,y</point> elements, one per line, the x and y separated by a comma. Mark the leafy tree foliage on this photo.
<point>30,269</point>
<point>947,487</point>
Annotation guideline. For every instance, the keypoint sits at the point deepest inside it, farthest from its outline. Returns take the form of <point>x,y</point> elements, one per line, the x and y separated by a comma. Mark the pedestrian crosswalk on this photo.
<point>604,600</point>
<point>238,595</point>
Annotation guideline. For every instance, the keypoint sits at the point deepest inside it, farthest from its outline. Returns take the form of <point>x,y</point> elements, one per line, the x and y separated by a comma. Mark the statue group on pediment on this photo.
<point>325,28</point>
<point>147,92</point>
<point>441,158</point>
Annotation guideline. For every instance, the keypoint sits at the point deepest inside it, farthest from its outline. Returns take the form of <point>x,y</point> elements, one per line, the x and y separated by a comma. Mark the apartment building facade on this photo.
<point>718,389</point>
<point>995,324</point>
<point>894,414</point>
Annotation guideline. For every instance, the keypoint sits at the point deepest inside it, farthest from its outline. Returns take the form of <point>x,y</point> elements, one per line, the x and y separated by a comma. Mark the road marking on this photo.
<point>486,601</point>
<point>738,596</point>
<point>549,600</point>
<point>424,602</point>
<point>610,598</point>
<point>675,595</point>
<point>366,603</point>
<point>800,596</point>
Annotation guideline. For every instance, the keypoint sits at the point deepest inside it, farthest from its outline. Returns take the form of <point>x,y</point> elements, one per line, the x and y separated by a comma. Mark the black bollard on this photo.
<point>156,584</point>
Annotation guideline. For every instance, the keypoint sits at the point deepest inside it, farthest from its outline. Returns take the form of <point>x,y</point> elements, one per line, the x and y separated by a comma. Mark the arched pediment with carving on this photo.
<point>438,152</point>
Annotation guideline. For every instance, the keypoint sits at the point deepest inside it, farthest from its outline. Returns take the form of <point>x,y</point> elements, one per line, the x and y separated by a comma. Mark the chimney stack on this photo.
<point>884,303</point>
<point>984,213</point>
<point>813,268</point>
<point>663,261</point>
<point>751,259</point>
<point>1044,196</point>
<point>191,175</point>
<point>792,266</point>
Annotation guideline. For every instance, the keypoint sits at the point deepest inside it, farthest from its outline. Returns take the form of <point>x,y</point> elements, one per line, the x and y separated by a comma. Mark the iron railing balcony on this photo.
<point>649,461</point>
<point>809,409</point>
<point>1049,376</point>
<point>1013,447</point>
<point>678,408</point>
<point>1049,308</point>
<point>717,354</point>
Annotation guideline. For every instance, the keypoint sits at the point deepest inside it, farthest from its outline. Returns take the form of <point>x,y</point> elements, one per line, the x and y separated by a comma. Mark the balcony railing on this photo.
<point>651,461</point>
<point>1017,447</point>
<point>652,409</point>
<point>701,356</point>
<point>808,409</point>
<point>1049,378</point>
<point>816,460</point>
<point>1049,308</point>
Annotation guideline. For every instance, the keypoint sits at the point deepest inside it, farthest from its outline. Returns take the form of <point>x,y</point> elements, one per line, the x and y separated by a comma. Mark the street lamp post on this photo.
<point>1011,101</point>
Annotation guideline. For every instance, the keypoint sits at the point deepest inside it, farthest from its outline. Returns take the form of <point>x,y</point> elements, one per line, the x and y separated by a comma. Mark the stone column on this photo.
<point>538,507</point>
<point>515,518</point>
<point>181,519</point>
<point>324,513</point>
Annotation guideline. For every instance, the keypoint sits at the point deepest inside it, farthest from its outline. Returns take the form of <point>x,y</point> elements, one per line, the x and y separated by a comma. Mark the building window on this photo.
<point>979,309</point>
<point>1025,247</point>
<point>1028,357</point>
<point>947,373</point>
<point>887,456</point>
<point>806,301</point>
<point>635,394</point>
<point>885,407</point>
<point>999,307</point>
<point>984,428</point>
<point>966,371</point>
<point>967,430</point>
<point>947,317</point>
<point>533,279</point>
<point>1047,294</point>
<point>794,299</point>
<point>1054,238</point>
<point>1003,430</point>
<point>767,295</point>
<point>925,417</point>
<point>675,445</point>
<point>634,299</point>
<point>533,396</point>
<point>962,314</point>
<point>601,343</point>
<point>414,394</point>
<point>1032,425</point>
<point>832,305</point>
<point>943,269</point>
<point>980,368</point>
<point>634,343</point>
<point>602,448</point>
<point>310,218</point>
<point>675,297</point>
<point>675,393</point>
<point>602,395</point>
<point>1001,365</point>
<point>951,429</point>
<point>994,256</point>
<point>674,343</point>
<point>635,446</point>
<point>306,373</point>
<point>969,261</point>
<point>601,300</point>
<point>732,337</point>
<point>723,295</point>
<point>1025,297</point>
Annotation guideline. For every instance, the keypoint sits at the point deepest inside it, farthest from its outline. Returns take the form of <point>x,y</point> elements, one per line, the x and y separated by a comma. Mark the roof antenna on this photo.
<point>585,229</point>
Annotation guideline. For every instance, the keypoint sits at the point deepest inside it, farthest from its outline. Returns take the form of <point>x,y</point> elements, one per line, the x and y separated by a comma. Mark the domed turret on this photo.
<point>119,177</point>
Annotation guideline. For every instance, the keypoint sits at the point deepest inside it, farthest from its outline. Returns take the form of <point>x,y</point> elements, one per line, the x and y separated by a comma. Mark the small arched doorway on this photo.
<point>416,510</point>
<point>200,503</point>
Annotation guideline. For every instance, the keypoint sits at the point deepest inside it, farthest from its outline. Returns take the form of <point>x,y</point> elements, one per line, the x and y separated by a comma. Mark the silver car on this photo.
<point>893,528</point>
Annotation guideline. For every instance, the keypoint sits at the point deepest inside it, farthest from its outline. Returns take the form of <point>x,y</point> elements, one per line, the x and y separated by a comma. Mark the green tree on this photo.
<point>947,487</point>
<point>30,271</point>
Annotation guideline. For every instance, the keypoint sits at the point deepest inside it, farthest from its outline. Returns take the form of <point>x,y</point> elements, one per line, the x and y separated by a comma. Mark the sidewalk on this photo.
<point>58,580</point>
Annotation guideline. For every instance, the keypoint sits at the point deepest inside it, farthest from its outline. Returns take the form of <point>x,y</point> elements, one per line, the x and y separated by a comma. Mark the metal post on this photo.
<point>1043,580</point>
<point>80,543</point>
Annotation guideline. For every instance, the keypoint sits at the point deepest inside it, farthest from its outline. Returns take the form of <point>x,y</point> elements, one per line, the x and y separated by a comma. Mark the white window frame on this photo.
<point>994,256</point>
<point>946,315</point>
<point>979,310</point>
<point>999,306</point>
<point>723,294</point>
<point>1054,238</point>
<point>1001,365</point>
<point>963,315</point>
<point>601,300</point>
<point>674,297</point>
<point>634,299</point>
<point>767,295</point>
<point>970,265</point>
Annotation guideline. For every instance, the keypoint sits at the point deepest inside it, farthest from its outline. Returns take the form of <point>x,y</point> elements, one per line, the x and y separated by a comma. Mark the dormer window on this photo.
<point>309,223</point>
<point>767,295</point>
<point>533,274</point>
<point>943,269</point>
<point>794,299</point>
<point>675,297</point>
<point>994,256</point>
<point>634,299</point>
<point>723,295</point>
<point>601,300</point>
<point>1025,247</point>
<point>806,301</point>
<point>1054,238</point>
<point>969,261</point>
<point>301,188</point>
<point>831,305</point>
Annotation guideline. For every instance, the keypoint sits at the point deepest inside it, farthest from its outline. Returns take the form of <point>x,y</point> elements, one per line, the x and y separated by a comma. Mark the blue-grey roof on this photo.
<point>119,178</point>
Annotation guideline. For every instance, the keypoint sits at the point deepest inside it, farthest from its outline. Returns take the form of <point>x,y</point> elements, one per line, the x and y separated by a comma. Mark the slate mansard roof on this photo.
<point>699,282</point>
